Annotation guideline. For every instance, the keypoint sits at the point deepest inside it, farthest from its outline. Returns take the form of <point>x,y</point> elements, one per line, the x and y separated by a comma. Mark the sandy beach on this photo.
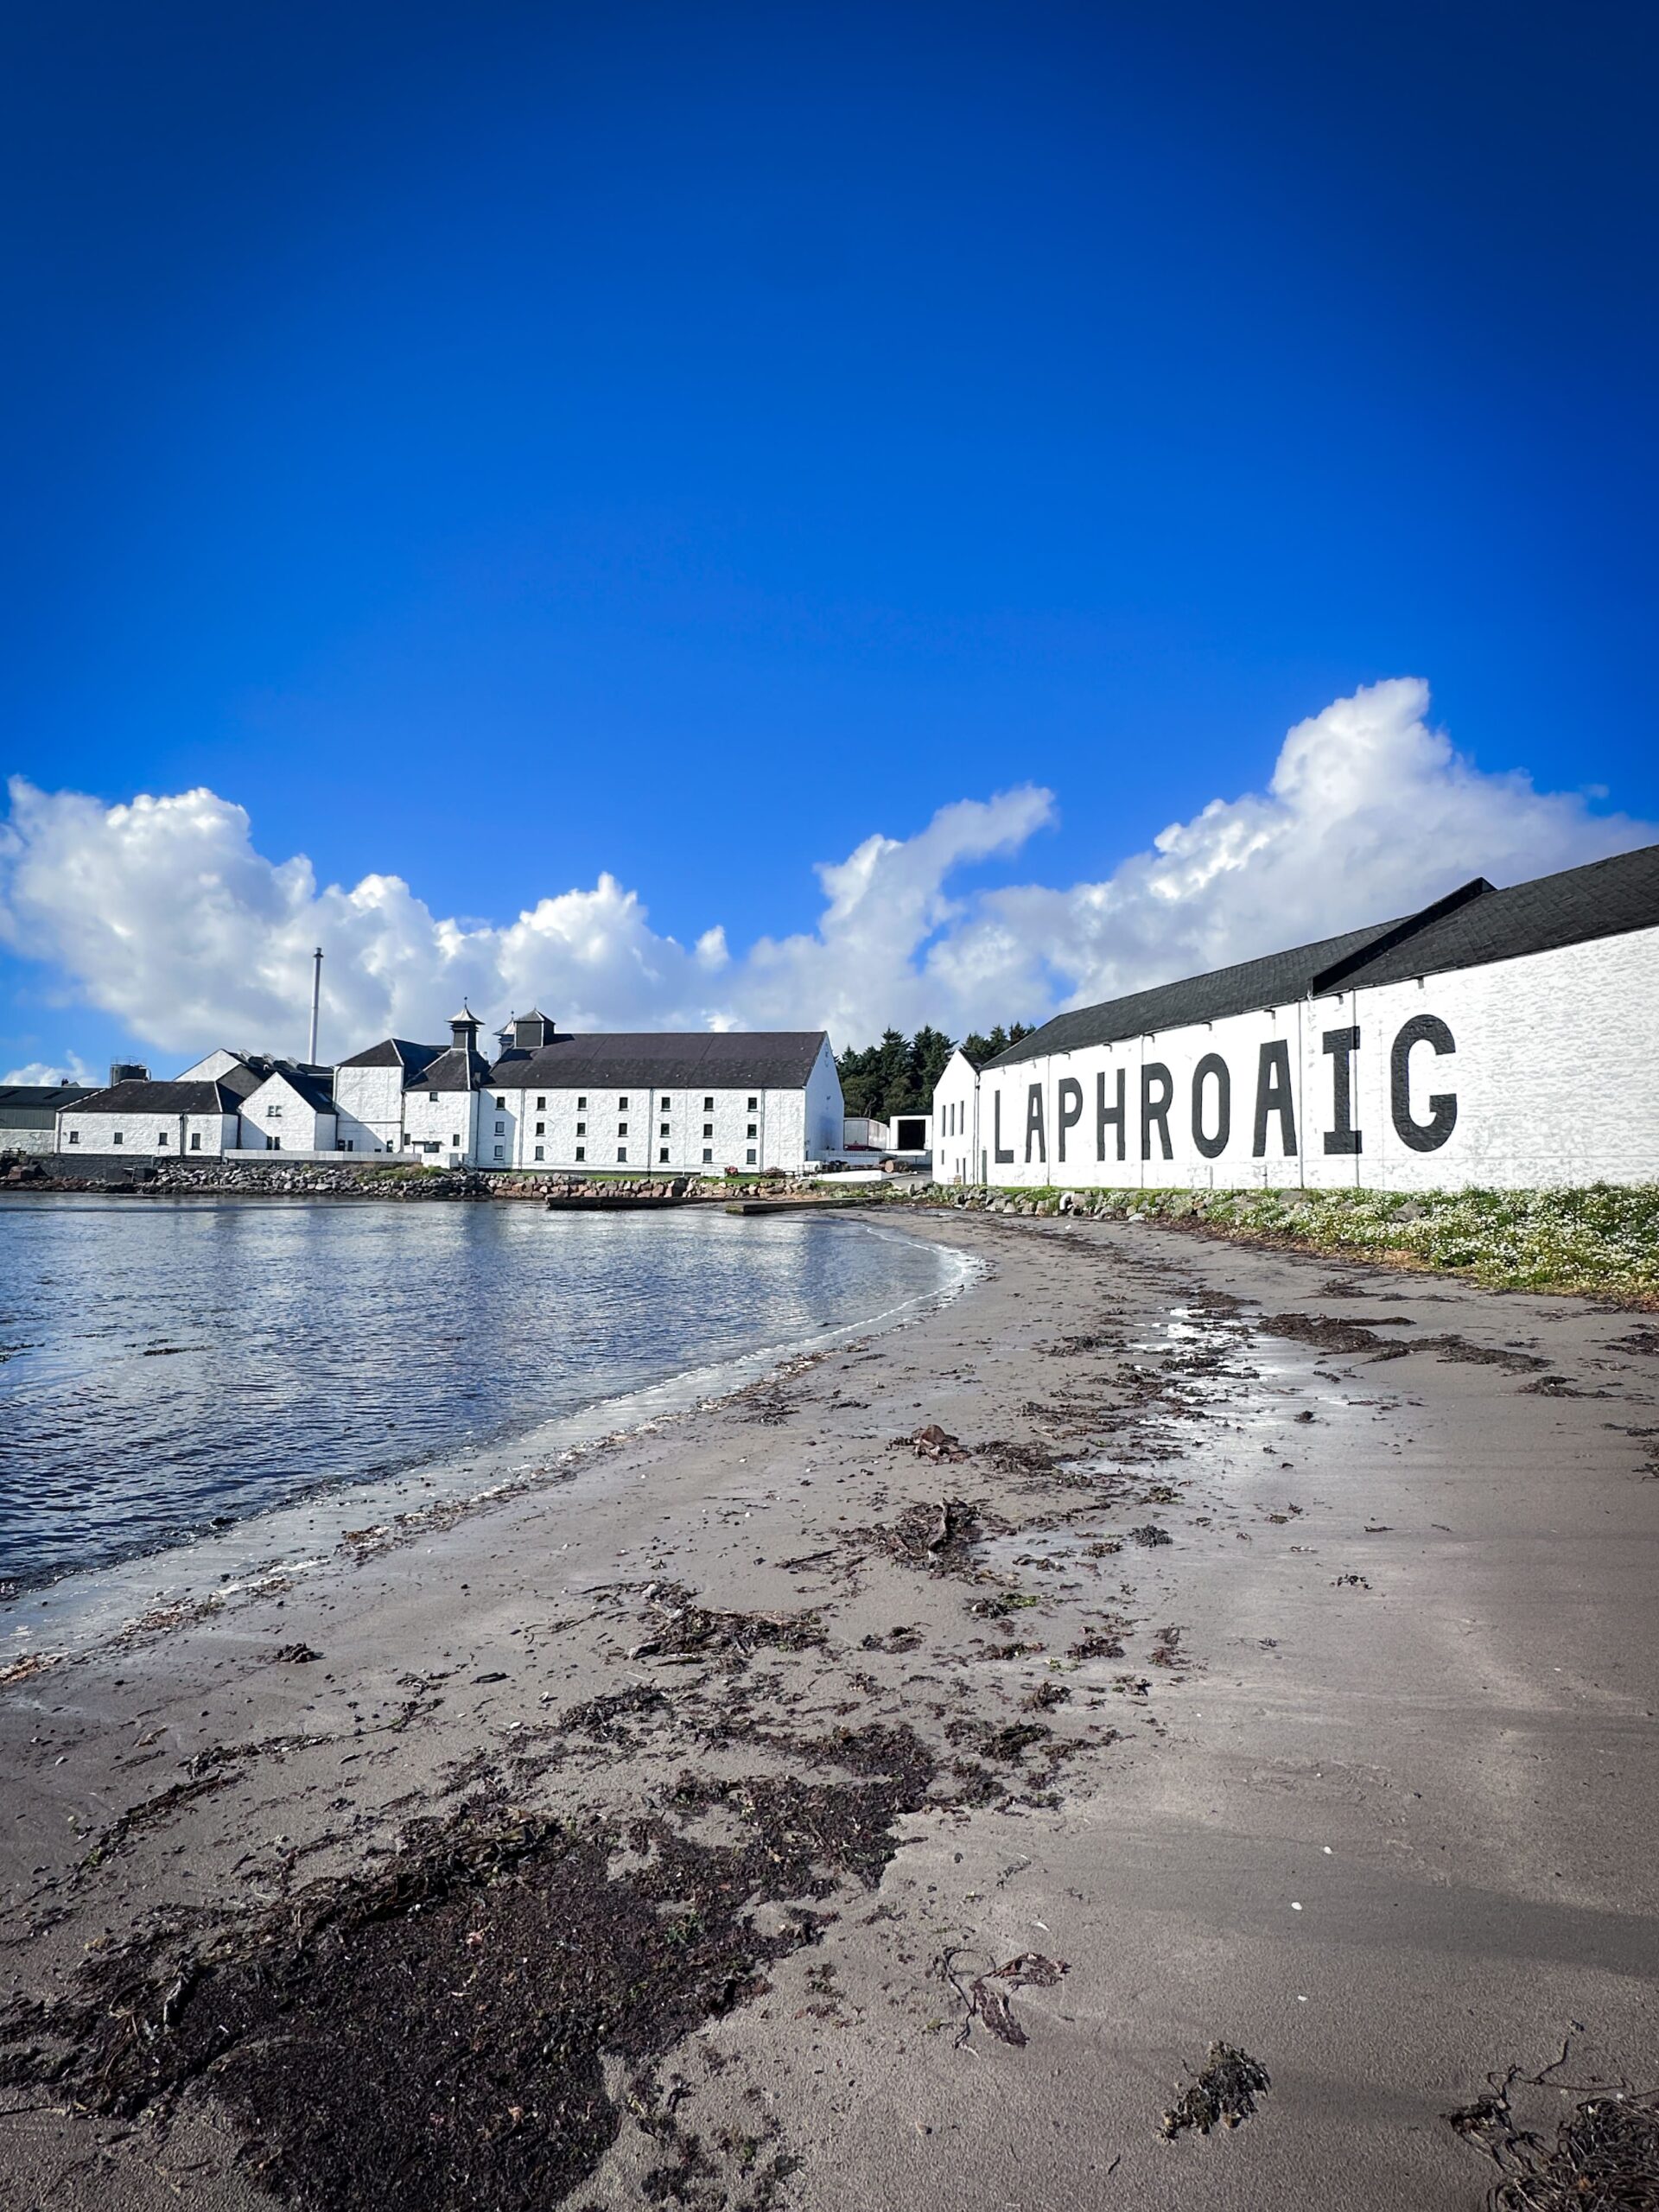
<point>775,1809</point>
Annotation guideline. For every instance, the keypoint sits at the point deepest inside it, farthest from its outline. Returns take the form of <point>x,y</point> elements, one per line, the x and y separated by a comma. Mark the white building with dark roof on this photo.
<point>28,1113</point>
<point>292,1110</point>
<point>1505,1039</point>
<point>672,1102</point>
<point>369,1090</point>
<point>147,1119</point>
<point>675,1102</point>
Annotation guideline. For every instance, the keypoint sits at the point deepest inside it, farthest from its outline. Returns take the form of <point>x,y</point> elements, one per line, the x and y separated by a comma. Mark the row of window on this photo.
<point>118,1136</point>
<point>540,1153</point>
<point>433,1097</point>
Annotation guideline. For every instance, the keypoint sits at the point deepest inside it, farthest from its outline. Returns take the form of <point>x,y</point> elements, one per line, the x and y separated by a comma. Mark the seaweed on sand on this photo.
<point>1223,2095</point>
<point>435,2031</point>
<point>1604,2157</point>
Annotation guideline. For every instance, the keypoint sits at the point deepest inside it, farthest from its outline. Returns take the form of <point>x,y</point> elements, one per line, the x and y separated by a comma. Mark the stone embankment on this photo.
<point>361,1179</point>
<point>973,1198</point>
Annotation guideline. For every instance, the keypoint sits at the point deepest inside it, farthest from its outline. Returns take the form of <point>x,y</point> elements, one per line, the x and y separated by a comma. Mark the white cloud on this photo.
<point>71,1069</point>
<point>164,913</point>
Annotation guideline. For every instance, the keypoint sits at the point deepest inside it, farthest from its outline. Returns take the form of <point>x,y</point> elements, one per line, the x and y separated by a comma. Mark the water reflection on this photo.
<point>166,1366</point>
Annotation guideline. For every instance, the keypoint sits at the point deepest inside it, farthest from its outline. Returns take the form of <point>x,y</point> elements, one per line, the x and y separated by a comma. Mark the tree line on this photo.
<point>897,1076</point>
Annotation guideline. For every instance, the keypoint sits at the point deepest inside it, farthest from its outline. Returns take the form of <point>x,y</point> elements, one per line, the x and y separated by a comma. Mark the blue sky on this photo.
<point>500,446</point>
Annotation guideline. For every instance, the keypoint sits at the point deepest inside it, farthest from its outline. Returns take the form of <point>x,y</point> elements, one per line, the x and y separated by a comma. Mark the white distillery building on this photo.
<point>1504,1038</point>
<point>672,1102</point>
<point>227,1103</point>
<point>675,1102</point>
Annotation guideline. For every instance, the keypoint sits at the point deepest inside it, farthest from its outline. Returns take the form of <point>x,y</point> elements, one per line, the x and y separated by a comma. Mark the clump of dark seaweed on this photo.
<point>1604,2157</point>
<point>1223,2095</point>
<point>686,1631</point>
<point>449,2018</point>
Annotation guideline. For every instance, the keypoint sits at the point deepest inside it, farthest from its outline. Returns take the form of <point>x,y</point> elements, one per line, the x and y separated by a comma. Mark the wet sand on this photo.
<point>1274,1652</point>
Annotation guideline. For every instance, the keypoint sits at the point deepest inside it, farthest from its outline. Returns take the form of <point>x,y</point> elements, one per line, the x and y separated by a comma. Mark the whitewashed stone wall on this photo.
<point>956,1123</point>
<point>1524,1073</point>
<point>656,1131</point>
<point>443,1127</point>
<point>369,1109</point>
<point>145,1136</point>
<point>275,1115</point>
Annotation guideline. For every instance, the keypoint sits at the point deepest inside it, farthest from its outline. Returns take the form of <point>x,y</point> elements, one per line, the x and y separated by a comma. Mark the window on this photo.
<point>195,1142</point>
<point>750,1130</point>
<point>161,1139</point>
<point>116,1139</point>
<point>541,1105</point>
<point>74,1136</point>
<point>276,1144</point>
<point>662,1128</point>
<point>751,1155</point>
<point>500,1128</point>
<point>538,1152</point>
<point>708,1105</point>
<point>621,1152</point>
<point>582,1129</point>
<point>453,1139</point>
<point>708,1128</point>
<point>621,1128</point>
<point>753,1103</point>
<point>273,1113</point>
<point>498,1152</point>
<point>708,1154</point>
<point>582,1103</point>
<point>541,1129</point>
<point>621,1105</point>
<point>500,1104</point>
<point>433,1097</point>
<point>661,1154</point>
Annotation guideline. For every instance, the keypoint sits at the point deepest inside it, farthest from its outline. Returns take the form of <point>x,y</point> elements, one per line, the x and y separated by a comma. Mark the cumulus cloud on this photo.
<point>164,912</point>
<point>71,1069</point>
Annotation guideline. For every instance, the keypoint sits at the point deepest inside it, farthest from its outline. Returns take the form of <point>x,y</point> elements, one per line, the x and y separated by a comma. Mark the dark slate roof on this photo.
<point>160,1099</point>
<point>1469,927</point>
<point>452,1070</point>
<point>33,1105</point>
<point>251,1070</point>
<point>396,1052</point>
<point>727,1060</point>
<point>1607,899</point>
<point>1252,983</point>
<point>315,1085</point>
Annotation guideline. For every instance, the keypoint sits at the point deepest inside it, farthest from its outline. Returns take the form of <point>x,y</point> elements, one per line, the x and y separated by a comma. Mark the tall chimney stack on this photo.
<point>316,1000</point>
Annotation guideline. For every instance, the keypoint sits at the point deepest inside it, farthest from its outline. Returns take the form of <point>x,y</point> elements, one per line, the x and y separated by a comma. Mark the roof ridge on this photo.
<point>1328,978</point>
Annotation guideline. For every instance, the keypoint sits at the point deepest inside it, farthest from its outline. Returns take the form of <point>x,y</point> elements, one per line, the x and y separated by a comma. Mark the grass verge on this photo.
<point>1601,1241</point>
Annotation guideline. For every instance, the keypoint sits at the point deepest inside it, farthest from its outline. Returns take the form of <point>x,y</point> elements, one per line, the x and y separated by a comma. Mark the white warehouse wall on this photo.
<point>1545,1065</point>
<point>369,1109</point>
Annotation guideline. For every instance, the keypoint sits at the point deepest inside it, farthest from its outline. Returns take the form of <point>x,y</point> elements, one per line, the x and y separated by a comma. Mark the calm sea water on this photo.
<point>166,1367</point>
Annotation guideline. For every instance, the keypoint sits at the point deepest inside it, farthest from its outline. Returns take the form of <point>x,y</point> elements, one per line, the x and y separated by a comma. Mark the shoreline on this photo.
<point>1235,1658</point>
<point>208,1571</point>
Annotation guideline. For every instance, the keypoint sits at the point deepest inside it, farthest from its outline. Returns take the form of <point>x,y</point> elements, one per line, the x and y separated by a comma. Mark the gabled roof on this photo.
<point>1605,898</point>
<point>728,1059</point>
<point>313,1086</point>
<point>214,1097</point>
<point>396,1052</point>
<point>251,1071</point>
<point>453,1069</point>
<point>1468,928</point>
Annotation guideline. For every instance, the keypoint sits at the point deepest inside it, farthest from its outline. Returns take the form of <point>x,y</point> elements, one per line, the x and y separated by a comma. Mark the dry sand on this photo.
<point>657,1836</point>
